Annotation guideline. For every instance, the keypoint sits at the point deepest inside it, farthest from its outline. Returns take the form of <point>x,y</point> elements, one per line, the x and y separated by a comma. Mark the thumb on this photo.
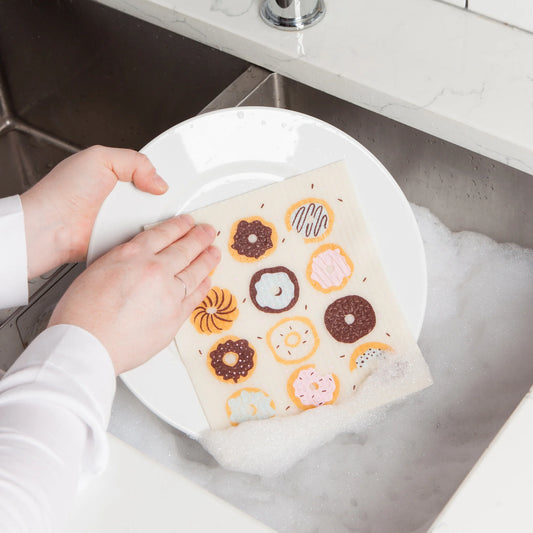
<point>129,165</point>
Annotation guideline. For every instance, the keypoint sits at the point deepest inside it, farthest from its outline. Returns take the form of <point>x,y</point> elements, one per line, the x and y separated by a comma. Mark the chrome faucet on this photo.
<point>292,14</point>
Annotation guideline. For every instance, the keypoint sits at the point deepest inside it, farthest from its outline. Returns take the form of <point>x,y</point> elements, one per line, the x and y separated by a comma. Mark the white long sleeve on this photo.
<point>13,262</point>
<point>54,408</point>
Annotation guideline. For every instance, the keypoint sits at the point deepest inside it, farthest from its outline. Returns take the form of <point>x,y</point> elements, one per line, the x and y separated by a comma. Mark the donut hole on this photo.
<point>293,339</point>
<point>252,410</point>
<point>230,358</point>
<point>349,319</point>
<point>252,238</point>
<point>314,385</point>
<point>276,291</point>
<point>211,310</point>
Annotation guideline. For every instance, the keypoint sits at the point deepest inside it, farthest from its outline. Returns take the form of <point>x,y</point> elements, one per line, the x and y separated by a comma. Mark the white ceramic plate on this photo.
<point>228,152</point>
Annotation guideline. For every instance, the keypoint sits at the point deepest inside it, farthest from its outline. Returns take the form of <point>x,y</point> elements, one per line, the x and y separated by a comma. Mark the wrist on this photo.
<point>47,240</point>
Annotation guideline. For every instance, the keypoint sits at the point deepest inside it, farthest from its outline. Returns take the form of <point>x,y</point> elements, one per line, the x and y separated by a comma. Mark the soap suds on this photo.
<point>270,447</point>
<point>397,470</point>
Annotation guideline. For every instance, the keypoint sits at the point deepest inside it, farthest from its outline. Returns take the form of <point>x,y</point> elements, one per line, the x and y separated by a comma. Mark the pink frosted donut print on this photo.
<point>329,268</point>
<point>308,389</point>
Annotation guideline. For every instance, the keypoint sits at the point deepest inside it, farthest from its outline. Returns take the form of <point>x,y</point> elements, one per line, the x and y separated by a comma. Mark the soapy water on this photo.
<point>393,469</point>
<point>271,447</point>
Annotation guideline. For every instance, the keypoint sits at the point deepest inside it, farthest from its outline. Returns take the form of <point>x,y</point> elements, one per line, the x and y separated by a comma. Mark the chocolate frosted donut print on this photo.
<point>349,318</point>
<point>274,290</point>
<point>232,358</point>
<point>252,239</point>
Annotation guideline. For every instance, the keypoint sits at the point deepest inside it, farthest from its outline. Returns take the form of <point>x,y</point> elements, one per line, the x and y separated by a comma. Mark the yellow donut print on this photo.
<point>216,313</point>
<point>293,340</point>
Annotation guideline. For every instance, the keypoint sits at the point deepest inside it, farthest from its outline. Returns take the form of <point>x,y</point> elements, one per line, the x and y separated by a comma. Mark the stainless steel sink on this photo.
<point>73,74</point>
<point>83,74</point>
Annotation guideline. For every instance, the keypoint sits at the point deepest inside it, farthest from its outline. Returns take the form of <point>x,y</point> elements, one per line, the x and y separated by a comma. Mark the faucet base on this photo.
<point>280,22</point>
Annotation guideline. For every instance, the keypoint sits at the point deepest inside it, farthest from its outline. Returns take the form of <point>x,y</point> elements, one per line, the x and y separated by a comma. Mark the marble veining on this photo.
<point>233,9</point>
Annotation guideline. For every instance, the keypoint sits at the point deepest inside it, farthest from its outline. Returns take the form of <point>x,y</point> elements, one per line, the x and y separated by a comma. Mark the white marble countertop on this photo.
<point>433,66</point>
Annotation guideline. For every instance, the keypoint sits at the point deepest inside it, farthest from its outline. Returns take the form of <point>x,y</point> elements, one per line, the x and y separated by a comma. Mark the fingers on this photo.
<point>129,165</point>
<point>183,251</point>
<point>188,304</point>
<point>163,235</point>
<point>190,278</point>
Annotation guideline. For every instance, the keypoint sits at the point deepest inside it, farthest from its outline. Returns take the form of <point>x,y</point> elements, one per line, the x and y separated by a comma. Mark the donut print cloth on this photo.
<point>300,313</point>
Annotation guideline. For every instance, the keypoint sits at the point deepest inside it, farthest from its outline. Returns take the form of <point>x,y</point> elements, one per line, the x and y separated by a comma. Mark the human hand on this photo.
<point>60,210</point>
<point>131,299</point>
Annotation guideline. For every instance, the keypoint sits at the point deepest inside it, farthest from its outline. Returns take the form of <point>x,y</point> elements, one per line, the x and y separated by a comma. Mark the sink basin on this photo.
<point>98,76</point>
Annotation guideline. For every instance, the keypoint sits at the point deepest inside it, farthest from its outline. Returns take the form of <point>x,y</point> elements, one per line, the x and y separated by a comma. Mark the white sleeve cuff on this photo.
<point>14,261</point>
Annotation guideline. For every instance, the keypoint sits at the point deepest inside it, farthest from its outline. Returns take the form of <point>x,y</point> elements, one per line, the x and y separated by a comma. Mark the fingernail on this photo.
<point>160,183</point>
